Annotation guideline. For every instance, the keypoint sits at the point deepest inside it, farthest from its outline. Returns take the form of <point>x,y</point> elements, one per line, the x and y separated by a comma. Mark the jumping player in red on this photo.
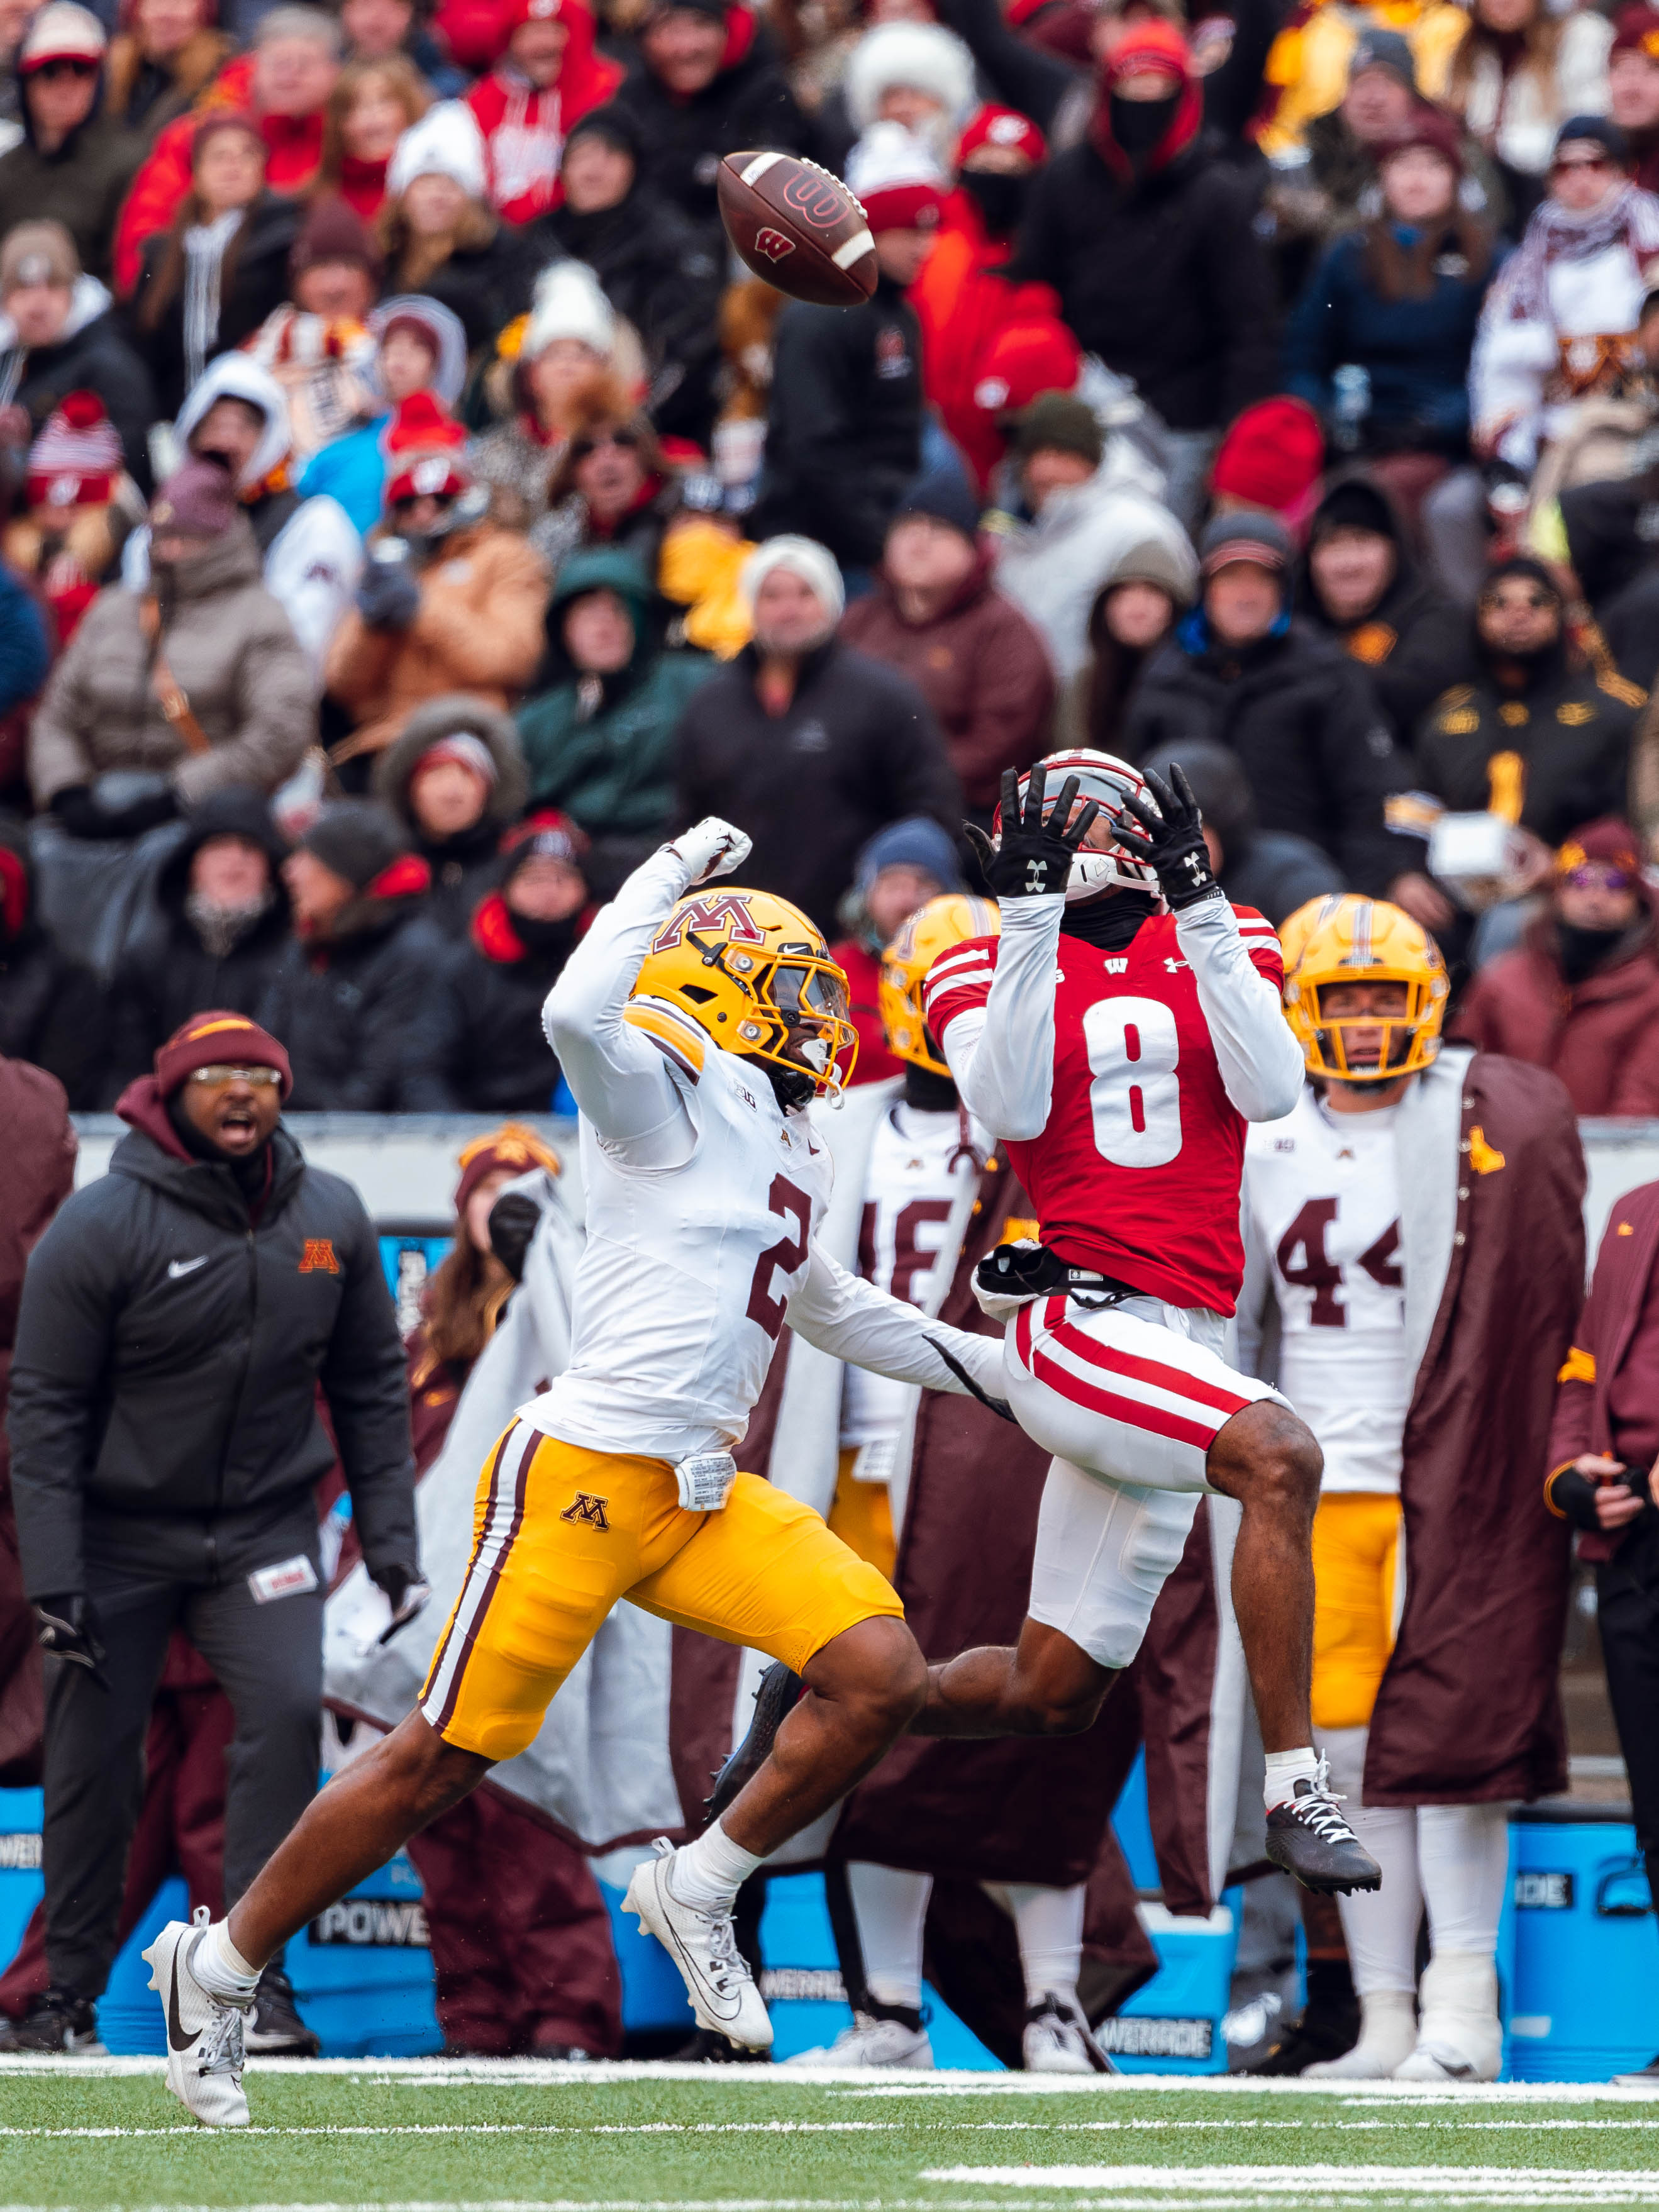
<point>1118,1035</point>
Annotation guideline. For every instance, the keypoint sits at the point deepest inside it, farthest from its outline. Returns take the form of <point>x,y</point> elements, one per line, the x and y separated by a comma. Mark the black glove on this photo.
<point>407,1593</point>
<point>514,1220</point>
<point>84,814</point>
<point>1173,844</point>
<point>389,596</point>
<point>1034,858</point>
<point>1575,1494</point>
<point>69,1629</point>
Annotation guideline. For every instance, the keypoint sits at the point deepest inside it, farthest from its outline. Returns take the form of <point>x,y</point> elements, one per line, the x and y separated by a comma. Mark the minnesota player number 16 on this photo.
<point>1135,1096</point>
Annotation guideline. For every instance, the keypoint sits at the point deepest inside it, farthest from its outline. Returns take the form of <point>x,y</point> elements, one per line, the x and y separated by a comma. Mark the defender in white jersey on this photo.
<point>1366,990</point>
<point>694,1032</point>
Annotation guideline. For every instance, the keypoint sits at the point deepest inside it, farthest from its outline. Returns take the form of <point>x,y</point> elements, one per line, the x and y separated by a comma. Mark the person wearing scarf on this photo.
<point>1560,323</point>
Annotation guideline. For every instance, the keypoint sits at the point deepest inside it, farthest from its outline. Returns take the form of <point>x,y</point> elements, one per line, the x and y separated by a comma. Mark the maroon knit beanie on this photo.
<point>198,500</point>
<point>218,1039</point>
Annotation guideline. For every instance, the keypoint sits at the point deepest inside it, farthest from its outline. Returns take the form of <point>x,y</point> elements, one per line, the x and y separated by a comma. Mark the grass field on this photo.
<point>418,2136</point>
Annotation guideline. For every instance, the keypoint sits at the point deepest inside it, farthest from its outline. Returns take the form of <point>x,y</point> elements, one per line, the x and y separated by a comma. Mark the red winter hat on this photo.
<point>520,12</point>
<point>77,461</point>
<point>1272,457</point>
<point>1429,127</point>
<point>1636,30</point>
<point>512,1146</point>
<point>1006,127</point>
<point>1148,46</point>
<point>420,425</point>
<point>1023,362</point>
<point>546,834</point>
<point>1610,840</point>
<point>218,1039</point>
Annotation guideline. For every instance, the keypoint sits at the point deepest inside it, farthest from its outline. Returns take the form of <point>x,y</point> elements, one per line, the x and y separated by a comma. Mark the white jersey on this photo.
<point>909,1195</point>
<point>1324,1194</point>
<point>703,1195</point>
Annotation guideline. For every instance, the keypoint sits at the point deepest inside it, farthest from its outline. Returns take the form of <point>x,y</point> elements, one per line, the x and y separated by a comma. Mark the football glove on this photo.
<point>69,1629</point>
<point>1174,842</point>
<point>1033,857</point>
<point>406,1592</point>
<point>710,848</point>
<point>514,1220</point>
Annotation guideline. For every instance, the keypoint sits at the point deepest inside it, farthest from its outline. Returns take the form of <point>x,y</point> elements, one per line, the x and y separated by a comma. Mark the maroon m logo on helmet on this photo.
<point>725,910</point>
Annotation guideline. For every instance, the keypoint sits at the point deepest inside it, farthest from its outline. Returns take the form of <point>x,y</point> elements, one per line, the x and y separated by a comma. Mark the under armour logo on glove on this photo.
<point>1174,842</point>
<point>1037,879</point>
<point>1036,844</point>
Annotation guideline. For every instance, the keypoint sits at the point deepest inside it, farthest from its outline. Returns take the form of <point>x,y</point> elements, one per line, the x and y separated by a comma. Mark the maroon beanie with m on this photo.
<point>218,1038</point>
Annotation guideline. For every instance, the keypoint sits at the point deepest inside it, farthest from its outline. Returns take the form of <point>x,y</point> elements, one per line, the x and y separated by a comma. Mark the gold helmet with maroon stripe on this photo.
<point>1100,776</point>
<point>1345,938</point>
<point>751,971</point>
<point>930,931</point>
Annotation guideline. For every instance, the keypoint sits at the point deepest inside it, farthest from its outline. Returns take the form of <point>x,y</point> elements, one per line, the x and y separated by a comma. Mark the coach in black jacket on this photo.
<point>176,1320</point>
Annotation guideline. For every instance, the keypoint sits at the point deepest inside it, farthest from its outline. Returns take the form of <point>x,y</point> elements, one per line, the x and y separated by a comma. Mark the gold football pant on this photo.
<point>561,1534</point>
<point>1356,1545</point>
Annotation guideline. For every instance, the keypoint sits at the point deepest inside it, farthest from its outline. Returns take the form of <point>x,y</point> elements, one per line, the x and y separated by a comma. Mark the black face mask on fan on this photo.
<point>1137,124</point>
<point>548,940</point>
<point>1001,200</point>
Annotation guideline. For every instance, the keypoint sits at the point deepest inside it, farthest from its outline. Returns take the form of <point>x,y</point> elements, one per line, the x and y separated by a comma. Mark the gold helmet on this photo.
<point>751,972</point>
<point>1345,938</point>
<point>933,929</point>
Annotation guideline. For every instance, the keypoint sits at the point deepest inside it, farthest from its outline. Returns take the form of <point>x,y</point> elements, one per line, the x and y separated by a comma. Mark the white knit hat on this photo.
<point>921,56</point>
<point>804,558</point>
<point>890,163</point>
<point>446,141</point>
<point>568,303</point>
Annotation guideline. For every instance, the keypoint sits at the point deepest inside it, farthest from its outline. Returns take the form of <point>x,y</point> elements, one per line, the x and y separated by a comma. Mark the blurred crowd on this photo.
<point>410,510</point>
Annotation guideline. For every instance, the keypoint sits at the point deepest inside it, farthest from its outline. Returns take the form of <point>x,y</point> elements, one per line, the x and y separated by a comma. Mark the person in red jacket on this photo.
<point>1580,994</point>
<point>548,77</point>
<point>284,84</point>
<point>900,869</point>
<point>964,300</point>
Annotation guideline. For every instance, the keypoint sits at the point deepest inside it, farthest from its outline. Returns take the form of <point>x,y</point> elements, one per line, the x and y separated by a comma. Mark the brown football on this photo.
<point>798,226</point>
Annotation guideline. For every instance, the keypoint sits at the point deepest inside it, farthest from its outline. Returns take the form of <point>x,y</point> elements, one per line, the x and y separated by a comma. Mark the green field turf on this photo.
<point>420,2137</point>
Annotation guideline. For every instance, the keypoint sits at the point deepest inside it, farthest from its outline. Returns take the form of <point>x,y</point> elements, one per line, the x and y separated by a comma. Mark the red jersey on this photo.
<point>1138,1169</point>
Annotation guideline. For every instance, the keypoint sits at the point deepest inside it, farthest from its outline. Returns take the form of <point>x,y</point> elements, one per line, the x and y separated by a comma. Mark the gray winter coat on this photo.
<point>232,651</point>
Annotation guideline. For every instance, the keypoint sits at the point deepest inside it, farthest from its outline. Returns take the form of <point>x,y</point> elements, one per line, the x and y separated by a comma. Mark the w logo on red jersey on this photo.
<point>727,910</point>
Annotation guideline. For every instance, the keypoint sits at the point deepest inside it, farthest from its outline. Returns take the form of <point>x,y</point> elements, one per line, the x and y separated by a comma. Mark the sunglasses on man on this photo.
<point>595,441</point>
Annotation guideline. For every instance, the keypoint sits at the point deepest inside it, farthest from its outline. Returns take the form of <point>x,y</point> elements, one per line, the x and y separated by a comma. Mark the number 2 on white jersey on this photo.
<point>1135,1096</point>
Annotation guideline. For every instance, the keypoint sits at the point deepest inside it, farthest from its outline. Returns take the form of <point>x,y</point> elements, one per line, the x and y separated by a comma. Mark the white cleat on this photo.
<point>1057,2038</point>
<point>205,2033</point>
<point>1459,2035</point>
<point>704,1946</point>
<point>1388,2037</point>
<point>871,2042</point>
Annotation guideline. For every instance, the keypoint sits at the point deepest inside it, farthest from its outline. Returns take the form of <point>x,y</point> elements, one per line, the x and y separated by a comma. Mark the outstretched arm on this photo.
<point>617,1075</point>
<point>852,1320</point>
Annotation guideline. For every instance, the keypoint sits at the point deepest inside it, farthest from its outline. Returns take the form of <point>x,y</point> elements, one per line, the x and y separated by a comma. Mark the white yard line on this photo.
<point>1450,2183</point>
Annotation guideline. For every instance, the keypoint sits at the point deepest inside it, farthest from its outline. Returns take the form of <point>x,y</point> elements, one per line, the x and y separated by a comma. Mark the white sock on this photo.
<point>1379,1925</point>
<point>889,1905</point>
<point>709,1871</point>
<point>1049,1925</point>
<point>1463,1857</point>
<point>1285,1770</point>
<point>220,1968</point>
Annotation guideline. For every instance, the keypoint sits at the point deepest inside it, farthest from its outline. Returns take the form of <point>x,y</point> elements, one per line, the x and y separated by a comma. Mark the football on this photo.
<point>798,226</point>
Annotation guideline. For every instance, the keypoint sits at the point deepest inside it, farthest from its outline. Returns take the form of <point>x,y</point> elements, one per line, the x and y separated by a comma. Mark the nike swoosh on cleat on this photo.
<point>176,2037</point>
<point>711,1997</point>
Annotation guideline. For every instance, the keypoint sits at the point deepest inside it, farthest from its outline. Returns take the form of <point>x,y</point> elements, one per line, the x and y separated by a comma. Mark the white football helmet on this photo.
<point>1104,777</point>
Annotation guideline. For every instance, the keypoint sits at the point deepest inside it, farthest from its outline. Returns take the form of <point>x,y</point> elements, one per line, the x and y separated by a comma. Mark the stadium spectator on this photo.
<point>454,779</point>
<point>193,1507</point>
<point>24,661</point>
<point>64,337</point>
<point>1360,583</point>
<point>1399,298</point>
<point>1607,539</point>
<point>420,346</point>
<point>936,614</point>
<point>199,683</point>
<point>359,994</point>
<point>1089,509</point>
<point>1537,737</point>
<point>522,931</point>
<point>160,62</point>
<point>900,868</point>
<point>1557,322</point>
<point>74,162</point>
<point>1146,236</point>
<point>385,30</point>
<point>908,71</point>
<point>1143,594</point>
<point>1318,66</point>
<point>1603,1447</point>
<point>598,732</point>
<point>1270,458</point>
<point>1271,870</point>
<point>1633,90</point>
<point>316,343</point>
<point>371,106</point>
<point>1300,716</point>
<point>655,267</point>
<point>1580,995</point>
<point>706,83</point>
<point>441,237</point>
<point>449,601</point>
<point>807,742</point>
<point>567,366</point>
<point>208,281</point>
<point>548,77</point>
<point>284,84</point>
<point>213,937</point>
<point>610,487</point>
<point>1518,73</point>
<point>50,1004</point>
<point>843,434</point>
